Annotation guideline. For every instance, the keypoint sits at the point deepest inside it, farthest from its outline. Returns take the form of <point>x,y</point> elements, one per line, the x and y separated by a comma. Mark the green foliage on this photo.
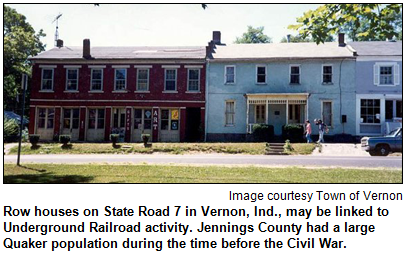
<point>34,139</point>
<point>287,147</point>
<point>114,138</point>
<point>11,130</point>
<point>263,132</point>
<point>362,22</point>
<point>293,132</point>
<point>145,138</point>
<point>299,39</point>
<point>253,35</point>
<point>20,41</point>
<point>64,139</point>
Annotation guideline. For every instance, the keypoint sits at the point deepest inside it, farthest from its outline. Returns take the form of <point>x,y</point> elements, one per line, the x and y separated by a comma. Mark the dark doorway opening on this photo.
<point>193,120</point>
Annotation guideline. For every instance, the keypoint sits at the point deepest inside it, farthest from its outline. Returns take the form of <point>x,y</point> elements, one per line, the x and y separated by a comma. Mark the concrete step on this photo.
<point>275,153</point>
<point>275,144</point>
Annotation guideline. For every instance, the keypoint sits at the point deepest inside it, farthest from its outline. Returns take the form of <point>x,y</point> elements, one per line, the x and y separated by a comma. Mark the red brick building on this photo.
<point>91,92</point>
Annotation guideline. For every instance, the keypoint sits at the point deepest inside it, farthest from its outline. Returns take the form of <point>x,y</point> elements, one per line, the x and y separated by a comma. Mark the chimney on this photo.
<point>59,43</point>
<point>217,37</point>
<point>341,37</point>
<point>86,48</point>
<point>288,38</point>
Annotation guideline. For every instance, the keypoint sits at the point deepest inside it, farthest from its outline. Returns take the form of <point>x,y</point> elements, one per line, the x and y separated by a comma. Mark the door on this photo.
<point>193,125</point>
<point>169,125</point>
<point>119,123</point>
<point>45,123</point>
<point>142,124</point>
<point>95,125</point>
<point>70,123</point>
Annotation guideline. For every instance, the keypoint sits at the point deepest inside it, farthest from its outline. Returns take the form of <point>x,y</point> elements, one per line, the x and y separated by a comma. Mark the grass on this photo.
<point>92,173</point>
<point>172,148</point>
<point>302,148</point>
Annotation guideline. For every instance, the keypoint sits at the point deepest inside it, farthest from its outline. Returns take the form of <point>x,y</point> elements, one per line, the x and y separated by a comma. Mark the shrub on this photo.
<point>287,147</point>
<point>64,139</point>
<point>11,130</point>
<point>293,132</point>
<point>34,139</point>
<point>262,132</point>
<point>145,138</point>
<point>114,139</point>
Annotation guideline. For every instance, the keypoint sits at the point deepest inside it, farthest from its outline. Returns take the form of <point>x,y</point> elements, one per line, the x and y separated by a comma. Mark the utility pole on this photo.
<point>24,81</point>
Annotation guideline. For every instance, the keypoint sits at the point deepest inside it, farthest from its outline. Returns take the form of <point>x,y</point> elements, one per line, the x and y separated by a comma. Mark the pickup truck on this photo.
<point>382,146</point>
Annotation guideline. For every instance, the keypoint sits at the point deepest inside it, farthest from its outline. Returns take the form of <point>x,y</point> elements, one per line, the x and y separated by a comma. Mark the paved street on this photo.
<point>327,161</point>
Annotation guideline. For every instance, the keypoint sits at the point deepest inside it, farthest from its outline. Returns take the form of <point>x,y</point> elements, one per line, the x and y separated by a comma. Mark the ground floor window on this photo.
<point>327,113</point>
<point>230,113</point>
<point>71,118</point>
<point>96,119</point>
<point>170,119</point>
<point>260,113</point>
<point>142,118</point>
<point>294,113</point>
<point>46,118</point>
<point>399,109</point>
<point>370,110</point>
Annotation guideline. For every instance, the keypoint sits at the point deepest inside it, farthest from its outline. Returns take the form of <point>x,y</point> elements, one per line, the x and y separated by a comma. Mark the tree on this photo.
<point>20,42</point>
<point>298,39</point>
<point>364,22</point>
<point>253,35</point>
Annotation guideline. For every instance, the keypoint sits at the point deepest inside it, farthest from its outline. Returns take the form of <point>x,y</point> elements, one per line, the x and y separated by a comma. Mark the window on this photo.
<point>147,118</point>
<point>47,79</point>
<point>72,79</point>
<point>327,74</point>
<point>120,79</point>
<point>164,119</point>
<point>170,79</point>
<point>260,114</point>
<point>386,75</point>
<point>230,113</point>
<point>193,80</point>
<point>261,74</point>
<point>294,74</point>
<point>370,110</point>
<point>389,109</point>
<point>71,118</point>
<point>229,75</point>
<point>327,113</point>
<point>96,80</point>
<point>46,118</point>
<point>142,79</point>
<point>399,109</point>
<point>96,119</point>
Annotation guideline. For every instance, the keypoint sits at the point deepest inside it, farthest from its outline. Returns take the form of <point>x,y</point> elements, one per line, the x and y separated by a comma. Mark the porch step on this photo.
<point>275,153</point>
<point>275,149</point>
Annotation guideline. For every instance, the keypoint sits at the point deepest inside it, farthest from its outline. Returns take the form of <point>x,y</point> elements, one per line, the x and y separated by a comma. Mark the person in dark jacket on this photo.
<point>322,128</point>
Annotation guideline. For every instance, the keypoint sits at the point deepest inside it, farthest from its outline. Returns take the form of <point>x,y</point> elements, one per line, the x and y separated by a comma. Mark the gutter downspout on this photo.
<point>206,122</point>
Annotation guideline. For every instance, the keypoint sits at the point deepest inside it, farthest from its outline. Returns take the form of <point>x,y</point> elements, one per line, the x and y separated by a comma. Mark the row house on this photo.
<point>279,84</point>
<point>92,92</point>
<point>379,101</point>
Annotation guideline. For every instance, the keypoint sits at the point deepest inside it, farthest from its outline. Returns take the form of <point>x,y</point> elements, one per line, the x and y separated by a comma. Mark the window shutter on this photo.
<point>396,74</point>
<point>376,74</point>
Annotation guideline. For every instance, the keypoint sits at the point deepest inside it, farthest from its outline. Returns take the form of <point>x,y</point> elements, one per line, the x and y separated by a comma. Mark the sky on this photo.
<point>158,24</point>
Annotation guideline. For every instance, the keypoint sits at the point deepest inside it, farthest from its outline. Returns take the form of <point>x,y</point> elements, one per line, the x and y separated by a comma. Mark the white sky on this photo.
<point>158,24</point>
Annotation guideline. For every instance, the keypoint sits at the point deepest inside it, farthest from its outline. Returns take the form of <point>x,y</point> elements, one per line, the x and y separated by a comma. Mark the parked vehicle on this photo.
<point>382,146</point>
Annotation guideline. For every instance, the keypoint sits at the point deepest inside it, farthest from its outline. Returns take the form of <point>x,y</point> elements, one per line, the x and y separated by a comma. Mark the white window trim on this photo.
<point>225,113</point>
<point>46,117</point>
<point>322,74</point>
<point>102,79</point>
<point>115,79</point>
<point>42,79</point>
<point>77,78</point>
<point>225,74</point>
<point>198,80</point>
<point>256,74</point>
<point>137,88</point>
<point>300,73</point>
<point>383,64</point>
<point>332,112</point>
<point>176,81</point>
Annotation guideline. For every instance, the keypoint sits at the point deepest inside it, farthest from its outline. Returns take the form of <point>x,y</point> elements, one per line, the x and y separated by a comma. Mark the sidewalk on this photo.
<point>340,149</point>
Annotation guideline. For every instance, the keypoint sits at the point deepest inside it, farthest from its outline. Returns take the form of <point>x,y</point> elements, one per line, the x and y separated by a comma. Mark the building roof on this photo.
<point>72,53</point>
<point>281,51</point>
<point>377,48</point>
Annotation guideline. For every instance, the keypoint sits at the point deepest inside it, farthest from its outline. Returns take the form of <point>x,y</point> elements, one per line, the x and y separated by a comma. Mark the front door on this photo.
<point>119,123</point>
<point>70,123</point>
<point>169,126</point>
<point>193,125</point>
<point>142,124</point>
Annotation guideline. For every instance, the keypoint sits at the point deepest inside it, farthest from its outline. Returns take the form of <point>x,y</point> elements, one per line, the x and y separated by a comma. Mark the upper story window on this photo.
<point>386,74</point>
<point>96,82</point>
<point>142,79</point>
<point>193,83</point>
<point>294,74</point>
<point>170,79</point>
<point>72,77</point>
<point>47,79</point>
<point>261,74</point>
<point>120,79</point>
<point>327,74</point>
<point>229,76</point>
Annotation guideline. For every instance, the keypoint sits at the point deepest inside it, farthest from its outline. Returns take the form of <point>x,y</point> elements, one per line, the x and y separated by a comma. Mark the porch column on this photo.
<point>82,121</point>
<point>128,128</point>
<point>107,125</point>
<point>287,112</point>
<point>155,130</point>
<point>248,112</point>
<point>266,112</point>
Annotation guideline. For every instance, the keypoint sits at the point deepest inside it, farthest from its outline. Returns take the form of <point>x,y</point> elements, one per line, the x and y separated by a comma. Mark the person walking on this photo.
<point>308,131</point>
<point>322,127</point>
